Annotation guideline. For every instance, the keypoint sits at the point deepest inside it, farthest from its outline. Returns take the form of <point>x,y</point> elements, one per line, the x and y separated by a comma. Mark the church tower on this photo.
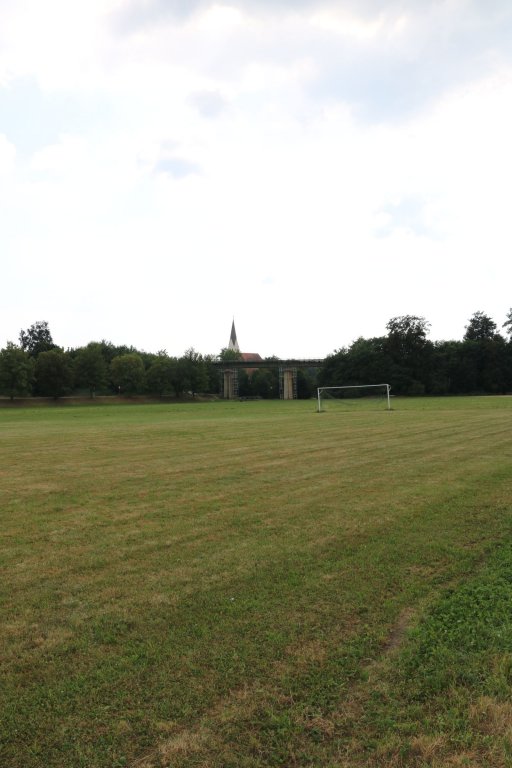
<point>233,343</point>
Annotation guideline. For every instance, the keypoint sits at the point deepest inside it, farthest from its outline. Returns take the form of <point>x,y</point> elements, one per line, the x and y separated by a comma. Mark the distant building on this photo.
<point>233,341</point>
<point>286,371</point>
<point>230,375</point>
<point>250,357</point>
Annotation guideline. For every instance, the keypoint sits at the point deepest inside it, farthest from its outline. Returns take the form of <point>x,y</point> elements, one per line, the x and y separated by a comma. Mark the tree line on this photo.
<point>37,366</point>
<point>405,358</point>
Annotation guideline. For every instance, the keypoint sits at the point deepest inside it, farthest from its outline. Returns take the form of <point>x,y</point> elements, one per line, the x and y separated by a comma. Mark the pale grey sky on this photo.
<point>310,168</point>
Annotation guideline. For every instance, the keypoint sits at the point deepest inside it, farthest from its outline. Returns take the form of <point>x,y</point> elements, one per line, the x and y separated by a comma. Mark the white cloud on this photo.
<point>7,157</point>
<point>337,21</point>
<point>210,103</point>
<point>56,42</point>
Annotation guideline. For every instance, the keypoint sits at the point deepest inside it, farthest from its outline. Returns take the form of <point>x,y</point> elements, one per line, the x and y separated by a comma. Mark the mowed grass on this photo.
<point>256,584</point>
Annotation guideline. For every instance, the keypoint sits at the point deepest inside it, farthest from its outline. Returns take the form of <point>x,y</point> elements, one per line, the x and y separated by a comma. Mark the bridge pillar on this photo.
<point>288,383</point>
<point>230,384</point>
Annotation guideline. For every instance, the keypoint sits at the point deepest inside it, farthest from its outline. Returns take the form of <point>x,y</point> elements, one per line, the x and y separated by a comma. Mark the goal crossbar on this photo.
<point>354,386</point>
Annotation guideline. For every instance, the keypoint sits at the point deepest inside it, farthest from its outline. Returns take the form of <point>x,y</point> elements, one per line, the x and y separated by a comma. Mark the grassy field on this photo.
<point>255,584</point>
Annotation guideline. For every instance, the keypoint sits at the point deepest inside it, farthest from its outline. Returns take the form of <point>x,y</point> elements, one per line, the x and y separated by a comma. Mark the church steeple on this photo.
<point>233,343</point>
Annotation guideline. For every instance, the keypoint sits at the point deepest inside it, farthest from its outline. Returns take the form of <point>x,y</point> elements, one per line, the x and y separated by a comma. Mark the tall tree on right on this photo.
<point>508,324</point>
<point>408,331</point>
<point>480,327</point>
<point>485,354</point>
<point>410,351</point>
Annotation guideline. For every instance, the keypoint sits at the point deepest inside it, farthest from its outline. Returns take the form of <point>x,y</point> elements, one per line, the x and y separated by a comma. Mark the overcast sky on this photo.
<point>310,168</point>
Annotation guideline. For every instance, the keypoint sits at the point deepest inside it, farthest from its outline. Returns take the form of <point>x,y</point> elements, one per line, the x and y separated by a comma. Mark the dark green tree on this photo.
<point>262,383</point>
<point>244,384</point>
<point>366,361</point>
<point>127,374</point>
<point>194,372</point>
<point>410,353</point>
<point>16,371</point>
<point>508,324</point>
<point>480,328</point>
<point>37,339</point>
<point>160,374</point>
<point>450,373</point>
<point>406,333</point>
<point>109,350</point>
<point>213,374</point>
<point>332,371</point>
<point>485,354</point>
<point>227,354</point>
<point>90,368</point>
<point>179,380</point>
<point>54,375</point>
<point>306,383</point>
<point>273,376</point>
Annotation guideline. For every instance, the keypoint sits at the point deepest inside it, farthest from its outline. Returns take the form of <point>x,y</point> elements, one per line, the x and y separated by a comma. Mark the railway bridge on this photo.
<point>287,374</point>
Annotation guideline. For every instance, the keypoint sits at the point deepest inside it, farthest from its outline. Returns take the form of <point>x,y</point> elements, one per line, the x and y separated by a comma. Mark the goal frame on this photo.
<point>353,386</point>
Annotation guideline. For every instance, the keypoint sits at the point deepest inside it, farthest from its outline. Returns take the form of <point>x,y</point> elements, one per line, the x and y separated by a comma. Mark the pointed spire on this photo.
<point>233,343</point>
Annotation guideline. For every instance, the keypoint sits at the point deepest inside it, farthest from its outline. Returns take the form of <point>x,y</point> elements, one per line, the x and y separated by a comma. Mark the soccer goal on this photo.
<point>354,396</point>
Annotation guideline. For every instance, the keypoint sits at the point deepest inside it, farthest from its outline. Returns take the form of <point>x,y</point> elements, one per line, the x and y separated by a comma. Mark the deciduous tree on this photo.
<point>37,339</point>
<point>508,324</point>
<point>194,371</point>
<point>160,374</point>
<point>54,376</point>
<point>480,327</point>
<point>91,368</point>
<point>16,371</point>
<point>227,354</point>
<point>408,332</point>
<point>410,353</point>
<point>128,374</point>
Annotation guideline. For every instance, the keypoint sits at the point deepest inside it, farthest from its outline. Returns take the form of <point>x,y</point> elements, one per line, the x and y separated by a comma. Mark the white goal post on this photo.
<point>386,387</point>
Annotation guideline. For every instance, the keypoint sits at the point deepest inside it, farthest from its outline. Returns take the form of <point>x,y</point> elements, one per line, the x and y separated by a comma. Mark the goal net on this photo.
<point>350,397</point>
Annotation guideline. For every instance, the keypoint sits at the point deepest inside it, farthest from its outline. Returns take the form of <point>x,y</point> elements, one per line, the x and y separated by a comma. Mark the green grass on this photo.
<point>256,584</point>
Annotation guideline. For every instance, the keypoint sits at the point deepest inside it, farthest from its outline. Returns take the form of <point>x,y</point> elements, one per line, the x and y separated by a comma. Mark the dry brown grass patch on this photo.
<point>426,747</point>
<point>180,745</point>
<point>397,634</point>
<point>492,717</point>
